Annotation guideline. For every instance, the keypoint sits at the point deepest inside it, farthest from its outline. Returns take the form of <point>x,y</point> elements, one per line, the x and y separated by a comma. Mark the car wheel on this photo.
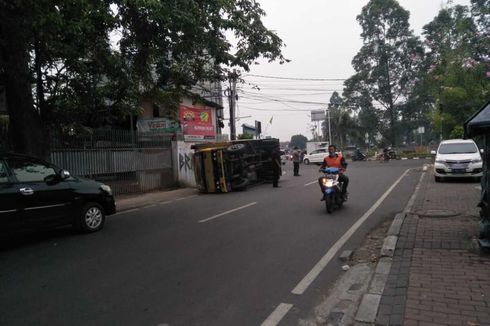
<point>437,179</point>
<point>91,219</point>
<point>306,161</point>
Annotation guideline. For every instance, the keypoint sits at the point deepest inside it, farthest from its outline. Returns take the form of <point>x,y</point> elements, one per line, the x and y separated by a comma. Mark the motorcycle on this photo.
<point>358,156</point>
<point>332,189</point>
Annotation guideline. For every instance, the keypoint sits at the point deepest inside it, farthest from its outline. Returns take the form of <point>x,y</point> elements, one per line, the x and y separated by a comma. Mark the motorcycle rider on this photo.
<point>358,156</point>
<point>335,160</point>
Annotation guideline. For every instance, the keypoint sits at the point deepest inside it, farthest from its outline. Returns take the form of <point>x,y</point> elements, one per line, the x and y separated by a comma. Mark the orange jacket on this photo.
<point>337,161</point>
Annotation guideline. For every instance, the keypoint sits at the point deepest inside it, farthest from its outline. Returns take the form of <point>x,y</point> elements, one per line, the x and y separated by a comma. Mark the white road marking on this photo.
<point>278,313</point>
<point>408,208</point>
<point>165,202</point>
<point>310,183</point>
<point>148,206</point>
<point>227,212</point>
<point>312,275</point>
<point>128,211</point>
<point>177,199</point>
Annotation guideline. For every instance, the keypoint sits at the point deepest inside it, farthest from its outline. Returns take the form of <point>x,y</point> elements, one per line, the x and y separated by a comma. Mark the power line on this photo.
<point>296,78</point>
<point>246,107</point>
<point>283,100</point>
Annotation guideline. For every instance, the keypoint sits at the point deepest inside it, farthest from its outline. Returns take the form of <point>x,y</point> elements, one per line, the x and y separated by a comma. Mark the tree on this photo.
<point>63,49</point>
<point>299,141</point>
<point>386,64</point>
<point>341,123</point>
<point>457,42</point>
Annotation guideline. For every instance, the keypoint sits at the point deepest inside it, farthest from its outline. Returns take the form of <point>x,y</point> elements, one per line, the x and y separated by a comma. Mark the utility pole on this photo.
<point>232,102</point>
<point>329,129</point>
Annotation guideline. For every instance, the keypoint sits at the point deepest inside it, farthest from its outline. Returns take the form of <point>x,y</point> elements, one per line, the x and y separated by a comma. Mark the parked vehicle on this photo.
<point>457,158</point>
<point>37,194</point>
<point>358,156</point>
<point>332,189</point>
<point>315,156</point>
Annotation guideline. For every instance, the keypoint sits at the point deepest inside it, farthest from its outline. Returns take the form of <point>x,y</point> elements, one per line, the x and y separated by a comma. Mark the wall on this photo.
<point>183,164</point>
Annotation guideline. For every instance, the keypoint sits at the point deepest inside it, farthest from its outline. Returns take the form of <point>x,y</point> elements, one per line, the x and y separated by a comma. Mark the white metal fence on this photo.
<point>129,163</point>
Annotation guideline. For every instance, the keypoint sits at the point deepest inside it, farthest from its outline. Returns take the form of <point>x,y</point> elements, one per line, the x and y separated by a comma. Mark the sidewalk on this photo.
<point>437,276</point>
<point>430,272</point>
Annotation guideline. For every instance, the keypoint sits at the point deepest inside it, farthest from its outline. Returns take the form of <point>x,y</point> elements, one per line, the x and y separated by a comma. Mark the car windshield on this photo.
<point>458,148</point>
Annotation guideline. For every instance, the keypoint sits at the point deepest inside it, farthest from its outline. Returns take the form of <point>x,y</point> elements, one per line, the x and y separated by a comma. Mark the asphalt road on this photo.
<point>208,259</point>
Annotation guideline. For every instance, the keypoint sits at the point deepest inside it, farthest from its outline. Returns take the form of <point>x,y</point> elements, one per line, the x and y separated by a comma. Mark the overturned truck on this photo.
<point>233,165</point>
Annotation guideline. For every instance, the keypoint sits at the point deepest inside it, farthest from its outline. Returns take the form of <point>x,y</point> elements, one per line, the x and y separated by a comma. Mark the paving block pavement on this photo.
<point>436,278</point>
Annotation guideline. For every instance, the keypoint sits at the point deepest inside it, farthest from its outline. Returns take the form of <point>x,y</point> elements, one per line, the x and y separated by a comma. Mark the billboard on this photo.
<point>318,115</point>
<point>197,123</point>
<point>158,125</point>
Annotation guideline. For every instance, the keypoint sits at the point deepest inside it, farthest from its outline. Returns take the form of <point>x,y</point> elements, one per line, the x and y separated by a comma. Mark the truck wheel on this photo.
<point>240,186</point>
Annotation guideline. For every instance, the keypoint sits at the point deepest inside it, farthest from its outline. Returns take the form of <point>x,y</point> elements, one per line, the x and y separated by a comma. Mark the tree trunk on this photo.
<point>25,128</point>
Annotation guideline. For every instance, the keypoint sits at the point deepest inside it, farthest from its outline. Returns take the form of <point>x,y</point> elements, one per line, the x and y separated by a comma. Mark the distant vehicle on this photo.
<point>314,145</point>
<point>315,156</point>
<point>457,158</point>
<point>284,157</point>
<point>37,194</point>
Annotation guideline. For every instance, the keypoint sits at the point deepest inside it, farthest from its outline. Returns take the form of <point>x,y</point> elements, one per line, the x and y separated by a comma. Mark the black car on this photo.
<point>37,194</point>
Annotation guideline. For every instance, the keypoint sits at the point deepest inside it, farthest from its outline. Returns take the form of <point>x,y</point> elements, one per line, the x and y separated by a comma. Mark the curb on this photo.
<point>368,308</point>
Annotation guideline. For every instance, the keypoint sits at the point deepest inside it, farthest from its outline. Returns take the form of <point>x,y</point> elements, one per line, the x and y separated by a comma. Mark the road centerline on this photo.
<point>310,183</point>
<point>227,212</point>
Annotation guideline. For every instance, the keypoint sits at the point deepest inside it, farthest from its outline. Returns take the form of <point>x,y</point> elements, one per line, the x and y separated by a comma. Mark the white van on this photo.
<point>457,158</point>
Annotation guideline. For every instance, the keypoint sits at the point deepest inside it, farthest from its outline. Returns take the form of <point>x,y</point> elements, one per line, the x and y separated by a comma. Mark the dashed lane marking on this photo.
<point>278,314</point>
<point>227,212</point>
<point>128,211</point>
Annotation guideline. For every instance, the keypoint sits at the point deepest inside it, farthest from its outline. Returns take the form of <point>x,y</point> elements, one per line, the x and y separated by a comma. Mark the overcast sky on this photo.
<point>321,37</point>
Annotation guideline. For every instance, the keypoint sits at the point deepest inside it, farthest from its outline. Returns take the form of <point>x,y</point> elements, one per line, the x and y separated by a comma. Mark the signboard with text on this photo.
<point>197,123</point>
<point>158,125</point>
<point>318,115</point>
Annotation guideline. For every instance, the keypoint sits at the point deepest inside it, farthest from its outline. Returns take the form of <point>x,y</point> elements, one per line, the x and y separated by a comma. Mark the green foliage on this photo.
<point>386,65</point>
<point>342,124</point>
<point>164,49</point>
<point>299,141</point>
<point>245,136</point>
<point>457,42</point>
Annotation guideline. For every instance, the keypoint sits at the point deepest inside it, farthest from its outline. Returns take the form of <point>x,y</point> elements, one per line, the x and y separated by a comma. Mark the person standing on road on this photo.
<point>296,160</point>
<point>276,167</point>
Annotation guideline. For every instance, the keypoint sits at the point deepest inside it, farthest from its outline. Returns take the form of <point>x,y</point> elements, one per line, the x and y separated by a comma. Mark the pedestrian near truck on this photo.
<point>276,167</point>
<point>296,160</point>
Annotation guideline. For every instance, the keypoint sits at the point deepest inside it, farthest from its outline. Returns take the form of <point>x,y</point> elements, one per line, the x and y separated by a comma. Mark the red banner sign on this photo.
<point>197,122</point>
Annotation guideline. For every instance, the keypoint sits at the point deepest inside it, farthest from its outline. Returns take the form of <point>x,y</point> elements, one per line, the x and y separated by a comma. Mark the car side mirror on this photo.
<point>52,179</point>
<point>433,152</point>
<point>64,174</point>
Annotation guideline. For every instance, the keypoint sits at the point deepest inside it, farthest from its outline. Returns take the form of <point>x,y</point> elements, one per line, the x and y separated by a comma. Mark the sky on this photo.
<point>321,38</point>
